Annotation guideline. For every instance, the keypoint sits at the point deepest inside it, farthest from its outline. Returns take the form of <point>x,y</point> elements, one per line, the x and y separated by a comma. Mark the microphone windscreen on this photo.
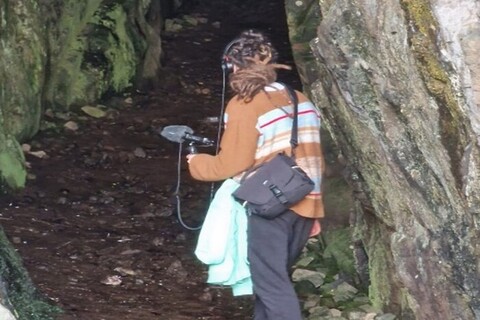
<point>175,133</point>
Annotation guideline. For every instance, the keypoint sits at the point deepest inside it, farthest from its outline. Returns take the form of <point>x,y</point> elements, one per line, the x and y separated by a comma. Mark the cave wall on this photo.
<point>58,54</point>
<point>397,84</point>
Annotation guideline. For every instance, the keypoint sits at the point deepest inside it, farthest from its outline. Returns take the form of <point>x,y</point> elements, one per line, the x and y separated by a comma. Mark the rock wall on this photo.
<point>21,81</point>
<point>55,55</point>
<point>18,297</point>
<point>397,83</point>
<point>58,54</point>
<point>94,47</point>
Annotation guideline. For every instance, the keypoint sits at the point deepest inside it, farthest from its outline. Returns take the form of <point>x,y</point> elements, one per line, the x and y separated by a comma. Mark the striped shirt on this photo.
<point>258,130</point>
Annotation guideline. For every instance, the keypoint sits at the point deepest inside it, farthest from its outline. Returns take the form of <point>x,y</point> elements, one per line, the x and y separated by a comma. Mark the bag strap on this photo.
<point>294,133</point>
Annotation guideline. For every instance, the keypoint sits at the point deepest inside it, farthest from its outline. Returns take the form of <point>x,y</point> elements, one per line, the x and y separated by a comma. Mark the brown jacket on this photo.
<point>255,132</point>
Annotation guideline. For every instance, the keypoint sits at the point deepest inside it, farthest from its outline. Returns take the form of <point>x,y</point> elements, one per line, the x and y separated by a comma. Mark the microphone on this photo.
<point>202,140</point>
<point>180,133</point>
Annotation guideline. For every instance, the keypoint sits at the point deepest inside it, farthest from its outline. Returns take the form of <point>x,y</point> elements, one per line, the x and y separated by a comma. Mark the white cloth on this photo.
<point>222,243</point>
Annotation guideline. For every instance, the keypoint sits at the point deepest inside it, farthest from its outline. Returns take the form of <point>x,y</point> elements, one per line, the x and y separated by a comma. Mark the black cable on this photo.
<point>179,165</point>
<point>220,124</point>
<point>177,195</point>
<point>222,110</point>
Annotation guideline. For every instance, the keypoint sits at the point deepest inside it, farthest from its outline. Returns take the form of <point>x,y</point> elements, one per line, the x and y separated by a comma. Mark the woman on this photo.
<point>257,127</point>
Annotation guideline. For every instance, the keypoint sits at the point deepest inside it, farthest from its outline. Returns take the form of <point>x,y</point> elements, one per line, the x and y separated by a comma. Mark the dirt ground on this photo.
<point>96,225</point>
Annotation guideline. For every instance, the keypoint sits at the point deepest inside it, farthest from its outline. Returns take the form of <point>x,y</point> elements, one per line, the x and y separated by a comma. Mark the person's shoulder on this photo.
<point>235,103</point>
<point>239,107</point>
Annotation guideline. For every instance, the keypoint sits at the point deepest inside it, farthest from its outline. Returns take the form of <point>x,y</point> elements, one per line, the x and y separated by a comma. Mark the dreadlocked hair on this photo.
<point>255,57</point>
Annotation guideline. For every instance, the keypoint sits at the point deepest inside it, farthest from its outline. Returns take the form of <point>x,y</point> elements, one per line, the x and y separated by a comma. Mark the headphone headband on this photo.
<point>227,65</point>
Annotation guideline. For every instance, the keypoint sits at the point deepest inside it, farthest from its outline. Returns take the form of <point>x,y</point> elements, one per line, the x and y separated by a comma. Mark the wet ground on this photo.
<point>96,225</point>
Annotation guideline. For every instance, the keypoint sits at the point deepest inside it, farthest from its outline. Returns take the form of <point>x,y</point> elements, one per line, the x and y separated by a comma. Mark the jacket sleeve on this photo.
<point>237,148</point>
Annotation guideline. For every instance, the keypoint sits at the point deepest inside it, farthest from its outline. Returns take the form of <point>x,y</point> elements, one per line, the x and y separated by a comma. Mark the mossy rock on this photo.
<point>17,288</point>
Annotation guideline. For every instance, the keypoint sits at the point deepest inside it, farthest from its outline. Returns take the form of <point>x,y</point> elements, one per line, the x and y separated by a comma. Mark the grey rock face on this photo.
<point>397,84</point>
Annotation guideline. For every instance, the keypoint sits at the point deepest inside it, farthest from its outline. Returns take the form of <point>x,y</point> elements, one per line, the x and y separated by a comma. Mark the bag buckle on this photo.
<point>278,193</point>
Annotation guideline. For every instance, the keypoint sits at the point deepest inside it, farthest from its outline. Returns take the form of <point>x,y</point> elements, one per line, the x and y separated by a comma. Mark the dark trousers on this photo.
<point>273,247</point>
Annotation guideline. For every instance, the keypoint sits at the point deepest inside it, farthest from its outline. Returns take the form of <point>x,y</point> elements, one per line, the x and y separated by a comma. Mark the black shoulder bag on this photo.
<point>278,184</point>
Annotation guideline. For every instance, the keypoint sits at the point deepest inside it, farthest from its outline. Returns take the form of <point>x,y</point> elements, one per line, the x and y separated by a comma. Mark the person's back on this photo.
<point>258,122</point>
<point>273,112</point>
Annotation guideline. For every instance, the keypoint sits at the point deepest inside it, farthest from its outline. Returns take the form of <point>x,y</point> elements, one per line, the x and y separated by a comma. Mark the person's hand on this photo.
<point>190,157</point>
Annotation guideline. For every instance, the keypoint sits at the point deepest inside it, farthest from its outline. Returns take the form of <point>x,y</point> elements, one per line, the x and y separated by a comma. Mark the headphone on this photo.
<point>227,64</point>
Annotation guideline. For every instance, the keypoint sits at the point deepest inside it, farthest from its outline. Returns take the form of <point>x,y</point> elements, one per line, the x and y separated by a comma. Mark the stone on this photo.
<point>5,314</point>
<point>317,278</point>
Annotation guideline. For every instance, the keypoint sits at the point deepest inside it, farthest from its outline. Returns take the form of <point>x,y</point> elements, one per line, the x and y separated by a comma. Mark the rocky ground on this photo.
<point>96,225</point>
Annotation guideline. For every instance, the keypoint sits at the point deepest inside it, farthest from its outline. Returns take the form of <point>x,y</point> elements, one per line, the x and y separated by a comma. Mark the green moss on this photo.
<point>95,52</point>
<point>379,261</point>
<point>12,169</point>
<point>421,13</point>
<point>22,70</point>
<point>407,312</point>
<point>120,52</point>
<point>434,72</point>
<point>23,297</point>
<point>67,81</point>
<point>339,247</point>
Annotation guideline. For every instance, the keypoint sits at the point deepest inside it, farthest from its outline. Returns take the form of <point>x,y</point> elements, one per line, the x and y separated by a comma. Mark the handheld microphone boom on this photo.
<point>180,133</point>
